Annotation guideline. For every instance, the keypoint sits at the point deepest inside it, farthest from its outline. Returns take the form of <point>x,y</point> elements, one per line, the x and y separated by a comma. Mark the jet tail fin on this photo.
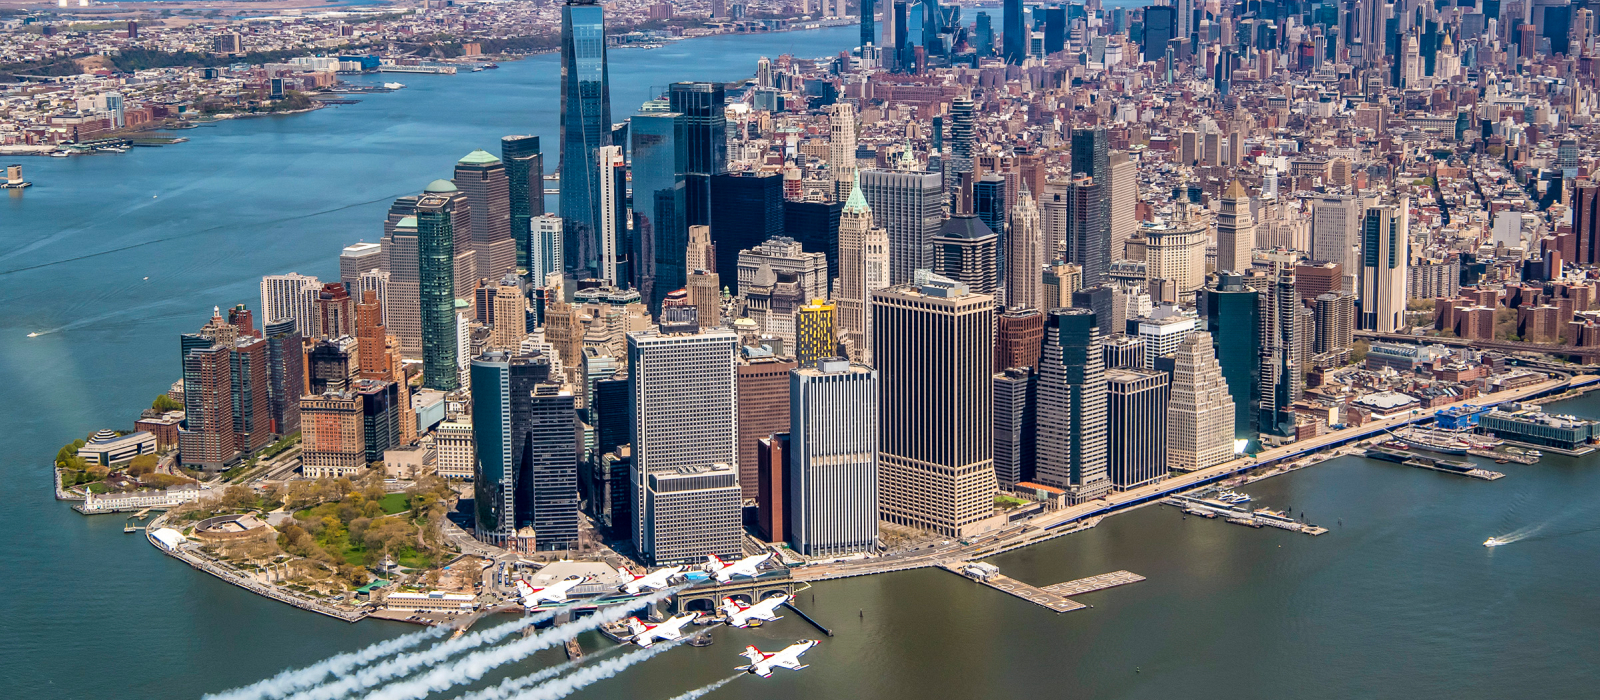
<point>751,653</point>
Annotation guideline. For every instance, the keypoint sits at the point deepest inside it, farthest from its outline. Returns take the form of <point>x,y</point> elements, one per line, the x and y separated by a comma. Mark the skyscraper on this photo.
<point>544,453</point>
<point>660,229</point>
<point>1024,254</point>
<point>335,312</point>
<point>833,442</point>
<point>685,441</point>
<point>436,293</point>
<point>402,315</point>
<point>525,180</point>
<point>585,127</point>
<point>1090,154</point>
<point>285,375</point>
<point>909,207</point>
<point>291,296</point>
<point>862,268</point>
<point>1335,314</point>
<point>989,202</point>
<point>814,334</point>
<point>1013,33</point>
<point>1236,230</point>
<point>968,252</point>
<point>1072,407</point>
<point>1282,378</point>
<point>1136,444</point>
<point>1200,411</point>
<point>1384,246</point>
<point>545,247</point>
<point>357,258</point>
<point>705,144</point>
<point>1089,228</point>
<point>482,178</point>
<point>1124,204</point>
<point>868,32</point>
<point>493,477</point>
<point>1233,318</point>
<point>816,226</point>
<point>370,336</point>
<point>1015,428</point>
<point>747,209</point>
<point>610,229</point>
<point>333,438</point>
<point>1055,29</point>
<point>842,149</point>
<point>763,405</point>
<point>931,345</point>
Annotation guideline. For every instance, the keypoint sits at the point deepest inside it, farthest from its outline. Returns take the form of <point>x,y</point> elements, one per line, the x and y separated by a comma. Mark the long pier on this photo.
<point>790,605</point>
<point>1094,583</point>
<point>1054,596</point>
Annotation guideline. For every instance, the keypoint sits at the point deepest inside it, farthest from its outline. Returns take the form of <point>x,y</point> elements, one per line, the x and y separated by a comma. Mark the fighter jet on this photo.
<point>656,580</point>
<point>744,567</point>
<point>554,593</point>
<point>762,663</point>
<point>645,634</point>
<point>741,615</point>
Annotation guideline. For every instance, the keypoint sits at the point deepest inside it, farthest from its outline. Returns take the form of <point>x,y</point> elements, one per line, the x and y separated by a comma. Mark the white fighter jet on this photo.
<point>762,663</point>
<point>554,593</point>
<point>740,615</point>
<point>656,580</point>
<point>744,567</point>
<point>645,634</point>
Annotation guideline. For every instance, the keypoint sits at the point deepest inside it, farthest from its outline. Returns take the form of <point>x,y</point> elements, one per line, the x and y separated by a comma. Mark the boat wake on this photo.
<point>1514,536</point>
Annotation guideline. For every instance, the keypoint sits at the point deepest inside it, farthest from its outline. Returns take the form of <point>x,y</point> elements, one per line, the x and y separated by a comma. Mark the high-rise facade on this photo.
<point>842,149</point>
<point>1236,230</point>
<point>207,440</point>
<point>660,229</point>
<point>370,338</point>
<point>483,179</point>
<point>909,207</point>
<point>1015,428</point>
<point>248,382</point>
<point>932,345</point>
<point>1233,318</point>
<point>1024,254</point>
<point>1124,204</point>
<point>1335,316</point>
<point>544,453</point>
<point>285,375</point>
<point>493,478</point>
<point>967,251</point>
<point>868,8</point>
<point>291,296</point>
<point>585,128</point>
<point>332,436</point>
<point>1282,377</point>
<point>705,145</point>
<point>814,334</point>
<point>1013,33</point>
<point>1384,238</point>
<point>545,247</point>
<point>1089,228</point>
<point>525,184</point>
<point>1136,444</point>
<point>358,258</point>
<point>1200,411</point>
<point>436,292</point>
<point>833,456</point>
<point>860,270</point>
<point>402,313</point>
<point>763,408</point>
<point>610,227</point>
<point>1072,428</point>
<point>747,209</point>
<point>334,313</point>
<point>685,430</point>
<point>1336,234</point>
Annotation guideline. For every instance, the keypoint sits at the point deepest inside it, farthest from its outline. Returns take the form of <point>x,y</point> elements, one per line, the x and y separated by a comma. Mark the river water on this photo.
<point>1398,600</point>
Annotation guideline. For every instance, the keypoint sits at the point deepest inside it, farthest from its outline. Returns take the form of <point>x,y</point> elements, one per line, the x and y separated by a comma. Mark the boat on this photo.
<point>1492,542</point>
<point>1443,443</point>
<point>59,154</point>
<point>477,69</point>
<point>393,86</point>
<point>34,334</point>
<point>491,65</point>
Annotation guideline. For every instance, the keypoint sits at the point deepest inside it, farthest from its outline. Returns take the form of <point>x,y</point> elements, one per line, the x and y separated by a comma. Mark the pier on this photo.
<point>1054,596</point>
<point>1094,583</point>
<point>1448,466</point>
<point>790,605</point>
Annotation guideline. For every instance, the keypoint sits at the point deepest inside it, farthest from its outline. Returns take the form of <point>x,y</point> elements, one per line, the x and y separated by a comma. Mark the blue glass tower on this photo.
<point>585,127</point>
<point>868,21</point>
<point>660,231</point>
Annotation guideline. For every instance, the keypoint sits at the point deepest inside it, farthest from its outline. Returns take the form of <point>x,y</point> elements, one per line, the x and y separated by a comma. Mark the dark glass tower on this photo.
<point>1013,35</point>
<point>931,23</point>
<point>544,453</point>
<point>1055,29</point>
<point>436,291</point>
<point>705,149</point>
<point>989,202</point>
<point>1160,27</point>
<point>585,127</point>
<point>285,379</point>
<point>660,233</point>
<point>1233,316</point>
<point>816,226</point>
<point>903,61</point>
<point>1089,155</point>
<point>868,29</point>
<point>747,209</point>
<point>525,168</point>
<point>984,41</point>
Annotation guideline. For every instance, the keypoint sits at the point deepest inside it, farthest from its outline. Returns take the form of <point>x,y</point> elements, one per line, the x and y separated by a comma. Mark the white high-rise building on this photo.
<point>1175,251</point>
<point>833,458</point>
<point>377,281</point>
<point>1200,410</point>
<point>356,259</point>
<point>290,296</point>
<point>1384,244</point>
<point>909,206</point>
<point>1124,203</point>
<point>544,246</point>
<point>1164,331</point>
<point>842,149</point>
<point>1236,230</point>
<point>1336,234</point>
<point>1025,254</point>
<point>684,431</point>
<point>610,159</point>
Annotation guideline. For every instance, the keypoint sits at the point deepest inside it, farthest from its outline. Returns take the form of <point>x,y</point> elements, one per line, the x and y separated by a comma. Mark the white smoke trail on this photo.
<point>473,666</point>
<point>406,663</point>
<point>290,680</point>
<point>589,675</point>
<point>512,685</point>
<point>701,692</point>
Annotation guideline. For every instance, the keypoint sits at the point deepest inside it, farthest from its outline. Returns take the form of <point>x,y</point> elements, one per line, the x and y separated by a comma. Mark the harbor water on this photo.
<point>1398,600</point>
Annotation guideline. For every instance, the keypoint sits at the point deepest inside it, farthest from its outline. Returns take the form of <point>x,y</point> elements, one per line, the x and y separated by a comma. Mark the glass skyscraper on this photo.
<point>660,233</point>
<point>1013,33</point>
<point>1233,316</point>
<point>585,127</point>
<point>525,170</point>
<point>436,265</point>
<point>868,30</point>
<point>705,143</point>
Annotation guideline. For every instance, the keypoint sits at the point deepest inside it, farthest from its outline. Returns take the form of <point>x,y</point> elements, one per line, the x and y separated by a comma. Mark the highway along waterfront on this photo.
<point>1397,600</point>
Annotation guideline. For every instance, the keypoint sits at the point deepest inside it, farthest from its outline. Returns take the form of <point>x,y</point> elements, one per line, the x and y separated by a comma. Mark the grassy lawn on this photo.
<point>393,503</point>
<point>98,487</point>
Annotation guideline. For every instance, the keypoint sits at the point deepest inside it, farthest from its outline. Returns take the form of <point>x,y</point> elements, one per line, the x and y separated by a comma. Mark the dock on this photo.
<point>1448,466</point>
<point>790,605</point>
<point>1054,596</point>
<point>1504,456</point>
<point>1260,518</point>
<point>1094,583</point>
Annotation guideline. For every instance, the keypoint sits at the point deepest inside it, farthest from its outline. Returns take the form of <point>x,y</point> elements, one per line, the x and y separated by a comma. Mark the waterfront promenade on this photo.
<point>1055,523</point>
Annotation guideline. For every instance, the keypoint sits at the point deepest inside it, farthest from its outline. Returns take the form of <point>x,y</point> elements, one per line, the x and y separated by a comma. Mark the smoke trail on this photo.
<point>512,685</point>
<point>701,692</point>
<point>290,680</point>
<point>587,676</point>
<point>406,663</point>
<point>473,666</point>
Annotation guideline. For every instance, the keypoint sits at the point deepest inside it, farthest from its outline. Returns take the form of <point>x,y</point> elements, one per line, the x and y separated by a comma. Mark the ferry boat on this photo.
<point>1435,442</point>
<point>393,86</point>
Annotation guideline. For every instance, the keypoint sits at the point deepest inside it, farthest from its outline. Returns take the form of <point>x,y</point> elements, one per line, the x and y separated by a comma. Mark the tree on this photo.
<point>166,403</point>
<point>1358,351</point>
<point>141,465</point>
